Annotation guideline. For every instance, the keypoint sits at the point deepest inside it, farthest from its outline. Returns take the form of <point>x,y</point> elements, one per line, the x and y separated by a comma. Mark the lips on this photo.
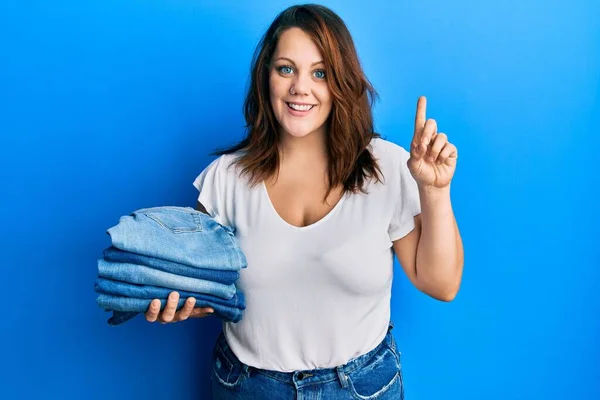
<point>300,107</point>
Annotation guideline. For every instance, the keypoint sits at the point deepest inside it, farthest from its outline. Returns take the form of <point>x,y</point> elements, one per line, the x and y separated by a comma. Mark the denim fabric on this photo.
<point>222,276</point>
<point>125,308</point>
<point>120,317</point>
<point>142,275</point>
<point>179,234</point>
<point>375,375</point>
<point>118,288</point>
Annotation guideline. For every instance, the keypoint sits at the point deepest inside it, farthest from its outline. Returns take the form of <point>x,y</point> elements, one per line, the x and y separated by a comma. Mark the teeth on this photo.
<point>299,107</point>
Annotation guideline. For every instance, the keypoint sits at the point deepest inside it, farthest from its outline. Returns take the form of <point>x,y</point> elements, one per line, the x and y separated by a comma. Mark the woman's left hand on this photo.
<point>433,158</point>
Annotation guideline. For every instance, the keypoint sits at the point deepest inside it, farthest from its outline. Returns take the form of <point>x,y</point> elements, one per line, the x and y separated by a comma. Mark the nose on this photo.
<point>301,85</point>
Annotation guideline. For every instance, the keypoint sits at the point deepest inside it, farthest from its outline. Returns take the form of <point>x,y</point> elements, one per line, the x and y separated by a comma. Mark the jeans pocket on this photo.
<point>228,372</point>
<point>177,221</point>
<point>380,378</point>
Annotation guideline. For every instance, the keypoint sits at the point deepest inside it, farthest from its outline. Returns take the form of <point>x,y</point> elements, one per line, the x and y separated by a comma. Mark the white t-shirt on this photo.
<point>316,296</point>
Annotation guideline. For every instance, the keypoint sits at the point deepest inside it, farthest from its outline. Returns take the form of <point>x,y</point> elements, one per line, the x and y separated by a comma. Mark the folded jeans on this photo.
<point>142,275</point>
<point>125,308</point>
<point>222,276</point>
<point>179,234</point>
<point>124,289</point>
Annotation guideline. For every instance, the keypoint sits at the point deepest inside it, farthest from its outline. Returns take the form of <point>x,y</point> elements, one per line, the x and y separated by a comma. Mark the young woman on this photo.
<point>320,204</point>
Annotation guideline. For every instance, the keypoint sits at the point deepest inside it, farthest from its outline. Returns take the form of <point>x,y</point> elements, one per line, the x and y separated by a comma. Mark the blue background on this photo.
<point>109,106</point>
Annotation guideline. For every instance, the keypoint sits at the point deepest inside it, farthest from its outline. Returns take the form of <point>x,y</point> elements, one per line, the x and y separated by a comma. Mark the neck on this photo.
<point>311,148</point>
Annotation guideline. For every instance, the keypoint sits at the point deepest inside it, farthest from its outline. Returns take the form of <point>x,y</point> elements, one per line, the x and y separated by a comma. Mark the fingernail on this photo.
<point>172,296</point>
<point>210,310</point>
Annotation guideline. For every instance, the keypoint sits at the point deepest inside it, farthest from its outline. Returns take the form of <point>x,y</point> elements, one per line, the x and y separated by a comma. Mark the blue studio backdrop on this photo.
<point>109,106</point>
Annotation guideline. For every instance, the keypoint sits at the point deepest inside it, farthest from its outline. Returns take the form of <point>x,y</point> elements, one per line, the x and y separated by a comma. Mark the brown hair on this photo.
<point>350,123</point>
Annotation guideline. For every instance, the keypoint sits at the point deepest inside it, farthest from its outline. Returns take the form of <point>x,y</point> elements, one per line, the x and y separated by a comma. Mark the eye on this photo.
<point>285,69</point>
<point>320,74</point>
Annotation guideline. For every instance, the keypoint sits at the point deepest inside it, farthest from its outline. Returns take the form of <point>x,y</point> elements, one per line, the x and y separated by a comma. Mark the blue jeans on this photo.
<point>142,275</point>
<point>125,308</point>
<point>375,375</point>
<point>127,300</point>
<point>222,276</point>
<point>179,234</point>
<point>108,286</point>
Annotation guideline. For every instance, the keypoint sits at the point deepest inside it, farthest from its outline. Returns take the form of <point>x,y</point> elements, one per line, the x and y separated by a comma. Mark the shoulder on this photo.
<point>224,166</point>
<point>218,187</point>
<point>388,154</point>
<point>220,172</point>
<point>226,163</point>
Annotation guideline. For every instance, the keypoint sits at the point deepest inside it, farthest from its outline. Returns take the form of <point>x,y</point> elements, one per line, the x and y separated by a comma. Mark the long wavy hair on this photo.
<point>350,123</point>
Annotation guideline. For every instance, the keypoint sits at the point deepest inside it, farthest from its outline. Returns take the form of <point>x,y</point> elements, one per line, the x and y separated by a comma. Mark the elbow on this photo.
<point>443,292</point>
<point>451,290</point>
<point>441,286</point>
<point>447,296</point>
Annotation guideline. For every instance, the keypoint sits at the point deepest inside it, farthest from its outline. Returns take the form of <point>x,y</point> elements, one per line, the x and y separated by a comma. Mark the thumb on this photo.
<point>418,151</point>
<point>199,312</point>
<point>413,163</point>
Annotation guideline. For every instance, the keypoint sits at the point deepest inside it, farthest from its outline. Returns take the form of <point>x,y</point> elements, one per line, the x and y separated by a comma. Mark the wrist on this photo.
<point>433,192</point>
<point>432,196</point>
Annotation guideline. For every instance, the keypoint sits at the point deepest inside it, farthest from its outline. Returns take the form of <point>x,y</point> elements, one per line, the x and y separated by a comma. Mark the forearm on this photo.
<point>439,261</point>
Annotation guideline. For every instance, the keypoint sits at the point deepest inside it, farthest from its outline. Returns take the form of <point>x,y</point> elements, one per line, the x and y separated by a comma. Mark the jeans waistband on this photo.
<point>312,376</point>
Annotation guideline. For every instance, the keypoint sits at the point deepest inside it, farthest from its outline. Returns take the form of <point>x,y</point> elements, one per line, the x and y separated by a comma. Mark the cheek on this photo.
<point>324,93</point>
<point>326,101</point>
<point>276,87</point>
<point>328,105</point>
<point>274,100</point>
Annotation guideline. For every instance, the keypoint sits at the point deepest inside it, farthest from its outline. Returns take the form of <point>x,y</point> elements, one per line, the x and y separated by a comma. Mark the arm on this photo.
<point>432,254</point>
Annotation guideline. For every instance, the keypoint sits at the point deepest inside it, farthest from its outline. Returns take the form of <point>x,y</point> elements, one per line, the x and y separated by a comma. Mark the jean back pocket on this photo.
<point>174,219</point>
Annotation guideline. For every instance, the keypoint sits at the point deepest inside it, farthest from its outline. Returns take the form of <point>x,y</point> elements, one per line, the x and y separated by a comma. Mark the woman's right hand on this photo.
<point>170,313</point>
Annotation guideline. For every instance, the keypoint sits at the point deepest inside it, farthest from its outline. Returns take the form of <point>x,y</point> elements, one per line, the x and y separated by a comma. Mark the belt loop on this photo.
<point>342,377</point>
<point>391,326</point>
<point>246,370</point>
<point>197,220</point>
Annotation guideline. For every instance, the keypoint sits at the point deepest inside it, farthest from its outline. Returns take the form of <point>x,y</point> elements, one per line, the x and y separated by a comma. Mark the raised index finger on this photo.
<point>420,116</point>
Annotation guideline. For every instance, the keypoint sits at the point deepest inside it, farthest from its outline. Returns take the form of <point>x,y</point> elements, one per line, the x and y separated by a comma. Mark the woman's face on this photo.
<point>300,97</point>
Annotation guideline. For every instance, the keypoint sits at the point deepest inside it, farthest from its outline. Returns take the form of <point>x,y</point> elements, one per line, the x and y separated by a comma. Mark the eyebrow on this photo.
<point>292,61</point>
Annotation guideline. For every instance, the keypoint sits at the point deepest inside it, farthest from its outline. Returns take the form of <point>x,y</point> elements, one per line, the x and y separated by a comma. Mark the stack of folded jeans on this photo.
<point>158,250</point>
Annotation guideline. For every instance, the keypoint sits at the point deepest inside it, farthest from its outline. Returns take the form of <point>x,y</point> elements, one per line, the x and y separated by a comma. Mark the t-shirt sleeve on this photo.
<point>212,187</point>
<point>408,204</point>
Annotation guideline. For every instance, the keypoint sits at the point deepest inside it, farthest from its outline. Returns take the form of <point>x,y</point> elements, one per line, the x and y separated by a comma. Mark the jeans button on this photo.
<point>301,376</point>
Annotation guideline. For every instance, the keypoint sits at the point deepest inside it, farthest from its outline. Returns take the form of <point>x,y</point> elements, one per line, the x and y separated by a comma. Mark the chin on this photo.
<point>299,130</point>
<point>298,133</point>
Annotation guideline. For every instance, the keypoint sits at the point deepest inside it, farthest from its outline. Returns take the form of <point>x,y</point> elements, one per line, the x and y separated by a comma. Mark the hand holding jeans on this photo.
<point>170,313</point>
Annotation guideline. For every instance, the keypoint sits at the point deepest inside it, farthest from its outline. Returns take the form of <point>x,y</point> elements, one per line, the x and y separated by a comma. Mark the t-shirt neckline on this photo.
<point>311,226</point>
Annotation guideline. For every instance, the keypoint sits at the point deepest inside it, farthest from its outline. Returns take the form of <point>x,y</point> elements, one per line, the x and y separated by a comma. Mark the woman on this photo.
<point>320,204</point>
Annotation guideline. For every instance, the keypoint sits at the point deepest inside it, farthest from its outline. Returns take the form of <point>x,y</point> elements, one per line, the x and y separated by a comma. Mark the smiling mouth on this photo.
<point>297,107</point>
